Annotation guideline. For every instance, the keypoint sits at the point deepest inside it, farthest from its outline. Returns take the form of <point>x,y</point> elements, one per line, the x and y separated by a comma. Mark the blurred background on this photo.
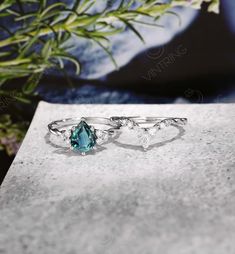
<point>191,60</point>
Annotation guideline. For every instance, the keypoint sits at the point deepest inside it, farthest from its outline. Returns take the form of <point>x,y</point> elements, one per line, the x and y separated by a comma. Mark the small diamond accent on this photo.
<point>145,141</point>
<point>143,136</point>
<point>161,125</point>
<point>123,122</point>
<point>167,122</point>
<point>139,131</point>
<point>66,136</point>
<point>102,137</point>
<point>152,131</point>
<point>130,124</point>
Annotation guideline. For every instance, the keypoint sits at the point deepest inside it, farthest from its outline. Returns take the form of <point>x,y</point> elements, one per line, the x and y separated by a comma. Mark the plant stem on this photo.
<point>14,62</point>
<point>109,18</point>
<point>21,38</point>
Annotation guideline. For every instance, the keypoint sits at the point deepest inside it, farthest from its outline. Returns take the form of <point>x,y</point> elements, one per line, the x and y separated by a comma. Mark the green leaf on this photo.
<point>133,29</point>
<point>51,7</point>
<point>108,53</point>
<point>4,54</point>
<point>31,84</point>
<point>106,33</point>
<point>176,15</point>
<point>46,51</point>
<point>25,17</point>
<point>84,20</point>
<point>84,6</point>
<point>28,45</point>
<point>67,56</point>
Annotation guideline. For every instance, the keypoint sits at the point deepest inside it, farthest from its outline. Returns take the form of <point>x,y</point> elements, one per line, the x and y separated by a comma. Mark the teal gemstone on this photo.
<point>82,138</point>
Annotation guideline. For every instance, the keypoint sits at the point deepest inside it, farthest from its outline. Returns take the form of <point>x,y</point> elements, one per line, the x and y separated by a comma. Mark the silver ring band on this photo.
<point>154,124</point>
<point>156,121</point>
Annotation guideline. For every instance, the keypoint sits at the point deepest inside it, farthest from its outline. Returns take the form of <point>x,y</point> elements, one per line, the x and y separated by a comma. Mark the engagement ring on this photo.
<point>82,134</point>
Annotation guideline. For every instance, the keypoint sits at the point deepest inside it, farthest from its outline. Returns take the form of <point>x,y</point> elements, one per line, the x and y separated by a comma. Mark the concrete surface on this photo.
<point>179,197</point>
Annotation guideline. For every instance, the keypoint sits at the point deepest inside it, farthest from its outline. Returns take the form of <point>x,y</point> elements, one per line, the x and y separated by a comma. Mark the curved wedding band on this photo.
<point>131,121</point>
<point>154,124</point>
<point>81,133</point>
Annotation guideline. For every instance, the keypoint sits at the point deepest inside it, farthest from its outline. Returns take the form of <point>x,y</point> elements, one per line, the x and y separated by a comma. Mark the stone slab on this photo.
<point>179,197</point>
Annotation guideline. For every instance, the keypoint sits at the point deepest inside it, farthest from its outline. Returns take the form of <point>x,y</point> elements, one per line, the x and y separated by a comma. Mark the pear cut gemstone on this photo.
<point>82,138</point>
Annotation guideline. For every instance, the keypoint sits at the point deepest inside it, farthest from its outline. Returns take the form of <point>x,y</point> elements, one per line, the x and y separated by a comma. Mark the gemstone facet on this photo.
<point>82,138</point>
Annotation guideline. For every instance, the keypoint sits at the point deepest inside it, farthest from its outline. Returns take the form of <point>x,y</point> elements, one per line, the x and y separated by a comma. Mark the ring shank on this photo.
<point>153,119</point>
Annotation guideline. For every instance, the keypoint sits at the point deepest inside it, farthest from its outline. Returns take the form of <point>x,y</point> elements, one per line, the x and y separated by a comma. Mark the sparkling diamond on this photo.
<point>130,124</point>
<point>66,136</point>
<point>139,131</point>
<point>161,125</point>
<point>102,137</point>
<point>143,136</point>
<point>167,122</point>
<point>123,122</point>
<point>152,131</point>
<point>145,141</point>
<point>99,133</point>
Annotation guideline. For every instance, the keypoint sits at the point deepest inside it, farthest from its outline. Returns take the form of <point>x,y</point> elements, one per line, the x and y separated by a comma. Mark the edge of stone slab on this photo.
<point>135,104</point>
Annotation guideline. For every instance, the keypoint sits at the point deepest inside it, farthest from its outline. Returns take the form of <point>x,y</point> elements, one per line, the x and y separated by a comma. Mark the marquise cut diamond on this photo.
<point>145,141</point>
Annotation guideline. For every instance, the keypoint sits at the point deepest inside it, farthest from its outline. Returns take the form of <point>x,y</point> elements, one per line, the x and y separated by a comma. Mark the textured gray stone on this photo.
<point>179,197</point>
